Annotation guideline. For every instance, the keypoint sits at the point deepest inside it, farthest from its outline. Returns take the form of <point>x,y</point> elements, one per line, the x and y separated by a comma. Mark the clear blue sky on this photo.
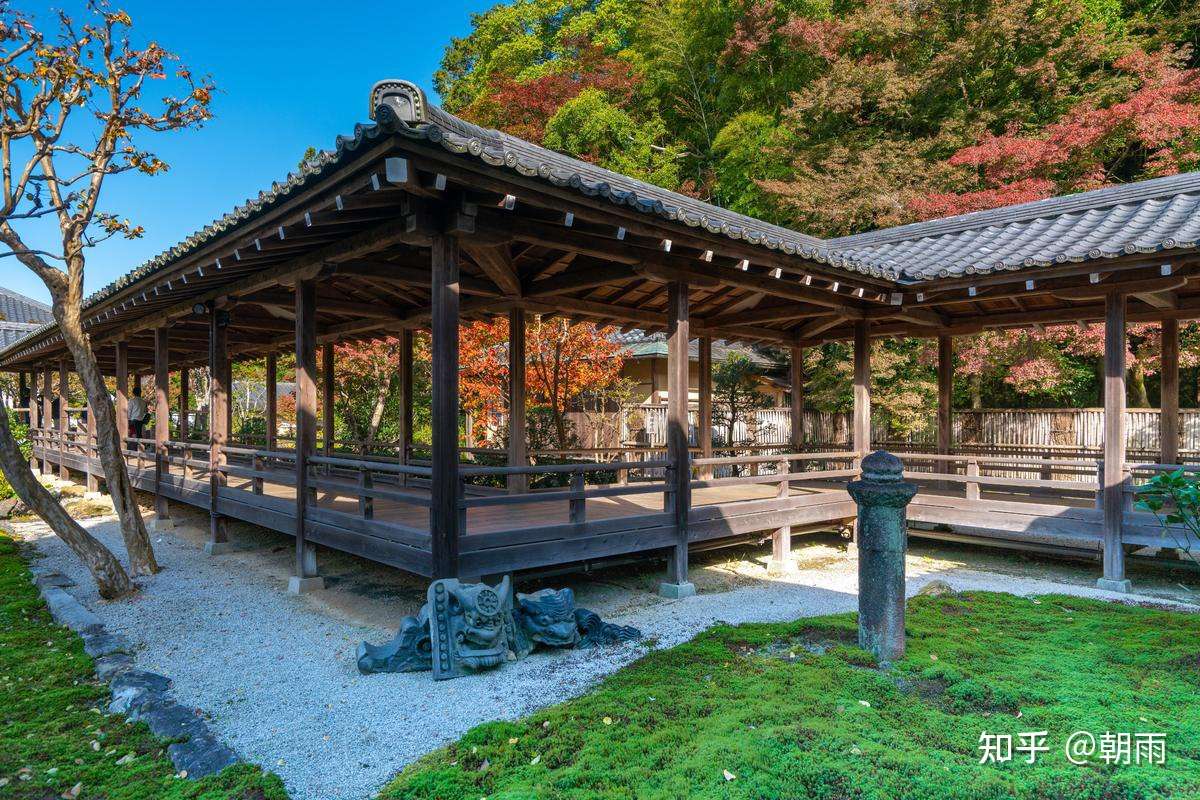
<point>290,75</point>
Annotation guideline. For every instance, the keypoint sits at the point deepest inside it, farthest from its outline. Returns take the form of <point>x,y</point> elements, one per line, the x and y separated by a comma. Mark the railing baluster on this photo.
<point>972,487</point>
<point>366,504</point>
<point>258,465</point>
<point>578,505</point>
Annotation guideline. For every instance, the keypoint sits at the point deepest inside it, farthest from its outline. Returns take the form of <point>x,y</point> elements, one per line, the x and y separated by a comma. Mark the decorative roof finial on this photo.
<point>397,98</point>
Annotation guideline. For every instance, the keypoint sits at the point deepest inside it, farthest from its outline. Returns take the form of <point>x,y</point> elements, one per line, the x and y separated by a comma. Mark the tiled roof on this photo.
<point>1150,216</point>
<point>20,316</point>
<point>18,308</point>
<point>1146,217</point>
<point>639,344</point>
<point>397,101</point>
<point>13,332</point>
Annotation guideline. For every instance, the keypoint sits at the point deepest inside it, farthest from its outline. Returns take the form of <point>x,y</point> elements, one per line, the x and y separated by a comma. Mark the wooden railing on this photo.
<point>576,495</point>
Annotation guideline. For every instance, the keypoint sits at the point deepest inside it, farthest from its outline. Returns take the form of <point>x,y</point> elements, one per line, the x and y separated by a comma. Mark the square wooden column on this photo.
<point>219,381</point>
<point>23,395</point>
<point>64,419</point>
<point>1168,419</point>
<point>945,379</point>
<point>327,377</point>
<point>861,427</point>
<point>272,416</point>
<point>444,520</point>
<point>680,474</point>
<point>122,405</point>
<point>1114,442</point>
<point>91,451</point>
<point>185,402</point>
<point>162,424</point>
<point>518,455</point>
<point>704,419</point>
<point>797,404</point>
<point>406,394</point>
<point>305,578</point>
<point>34,422</point>
<point>48,420</point>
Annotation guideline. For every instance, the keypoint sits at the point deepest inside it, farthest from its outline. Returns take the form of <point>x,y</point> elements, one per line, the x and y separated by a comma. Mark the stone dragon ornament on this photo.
<point>465,628</point>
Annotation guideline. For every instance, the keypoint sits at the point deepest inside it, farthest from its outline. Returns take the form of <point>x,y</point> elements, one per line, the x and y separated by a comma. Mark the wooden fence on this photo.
<point>1017,430</point>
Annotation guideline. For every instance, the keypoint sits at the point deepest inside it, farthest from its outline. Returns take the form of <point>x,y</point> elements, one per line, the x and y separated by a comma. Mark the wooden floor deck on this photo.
<point>542,532</point>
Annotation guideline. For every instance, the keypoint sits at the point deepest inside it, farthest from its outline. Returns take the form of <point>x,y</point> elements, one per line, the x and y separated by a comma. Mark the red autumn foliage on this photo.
<point>564,362</point>
<point>1144,134</point>
<point>522,108</point>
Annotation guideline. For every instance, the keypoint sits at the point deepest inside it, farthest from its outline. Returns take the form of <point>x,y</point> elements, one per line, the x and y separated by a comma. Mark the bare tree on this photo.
<point>71,104</point>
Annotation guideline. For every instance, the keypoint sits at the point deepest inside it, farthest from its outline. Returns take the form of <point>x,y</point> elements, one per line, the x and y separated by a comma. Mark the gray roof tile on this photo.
<point>18,308</point>
<point>1145,217</point>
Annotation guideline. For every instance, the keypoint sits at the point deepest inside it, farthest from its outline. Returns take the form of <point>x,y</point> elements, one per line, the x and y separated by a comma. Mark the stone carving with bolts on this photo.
<point>469,627</point>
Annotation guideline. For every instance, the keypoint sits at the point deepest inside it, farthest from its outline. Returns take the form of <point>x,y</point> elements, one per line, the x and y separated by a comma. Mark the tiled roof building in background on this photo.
<point>20,316</point>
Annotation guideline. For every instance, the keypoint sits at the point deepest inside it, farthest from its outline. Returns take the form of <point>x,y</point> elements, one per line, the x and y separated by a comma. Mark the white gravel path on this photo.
<point>276,673</point>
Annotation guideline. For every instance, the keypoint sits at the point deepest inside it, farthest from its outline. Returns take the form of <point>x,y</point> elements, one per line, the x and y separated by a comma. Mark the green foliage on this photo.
<point>20,432</point>
<point>794,710</point>
<point>735,392</point>
<point>1174,498</point>
<point>52,725</point>
<point>591,127</point>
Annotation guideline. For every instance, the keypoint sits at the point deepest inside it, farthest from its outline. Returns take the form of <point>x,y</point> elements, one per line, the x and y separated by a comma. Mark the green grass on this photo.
<point>783,708</point>
<point>51,732</point>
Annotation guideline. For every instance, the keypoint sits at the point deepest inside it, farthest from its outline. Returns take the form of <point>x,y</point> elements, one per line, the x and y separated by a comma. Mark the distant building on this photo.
<point>20,316</point>
<point>646,366</point>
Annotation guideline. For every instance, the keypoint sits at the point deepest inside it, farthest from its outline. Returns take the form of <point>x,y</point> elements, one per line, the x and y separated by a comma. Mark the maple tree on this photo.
<point>566,363</point>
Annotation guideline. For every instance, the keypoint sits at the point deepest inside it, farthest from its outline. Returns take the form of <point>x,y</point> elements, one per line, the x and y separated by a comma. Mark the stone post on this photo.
<point>882,496</point>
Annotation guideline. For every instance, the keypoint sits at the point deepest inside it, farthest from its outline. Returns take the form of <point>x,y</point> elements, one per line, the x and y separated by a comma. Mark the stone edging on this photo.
<point>138,694</point>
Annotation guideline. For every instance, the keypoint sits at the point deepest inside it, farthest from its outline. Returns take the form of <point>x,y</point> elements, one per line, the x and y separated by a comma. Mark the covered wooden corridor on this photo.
<point>422,221</point>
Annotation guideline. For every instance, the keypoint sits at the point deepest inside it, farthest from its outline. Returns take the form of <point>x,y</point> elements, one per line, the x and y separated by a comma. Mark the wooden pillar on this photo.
<point>219,381</point>
<point>34,421</point>
<point>1169,395</point>
<point>91,451</point>
<point>797,405</point>
<point>862,387</point>
<point>23,394</point>
<point>444,486</point>
<point>272,420</point>
<point>48,421</point>
<point>704,418</point>
<point>327,377</point>
<point>945,375</point>
<point>122,407</point>
<point>64,419</point>
<point>680,475</point>
<point>1114,442</point>
<point>518,455</point>
<point>406,393</point>
<point>305,576</point>
<point>162,421</point>
<point>185,402</point>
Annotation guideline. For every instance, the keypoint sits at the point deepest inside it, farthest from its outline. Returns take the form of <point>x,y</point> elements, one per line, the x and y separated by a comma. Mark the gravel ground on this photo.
<point>276,674</point>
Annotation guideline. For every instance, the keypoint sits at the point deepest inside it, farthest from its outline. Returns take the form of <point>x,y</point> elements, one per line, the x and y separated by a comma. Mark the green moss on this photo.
<point>51,732</point>
<point>795,710</point>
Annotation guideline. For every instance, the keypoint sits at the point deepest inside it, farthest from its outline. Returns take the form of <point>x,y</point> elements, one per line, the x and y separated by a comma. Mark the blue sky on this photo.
<point>290,75</point>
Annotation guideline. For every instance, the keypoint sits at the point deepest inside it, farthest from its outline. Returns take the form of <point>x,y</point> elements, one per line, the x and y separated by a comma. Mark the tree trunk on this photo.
<point>1138,397</point>
<point>975,385</point>
<point>109,445</point>
<point>111,578</point>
